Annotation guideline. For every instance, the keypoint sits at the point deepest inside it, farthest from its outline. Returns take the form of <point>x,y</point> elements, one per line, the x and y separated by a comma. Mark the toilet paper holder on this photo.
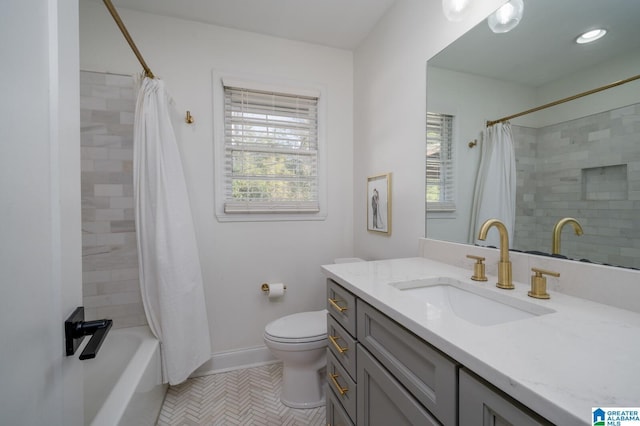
<point>265,287</point>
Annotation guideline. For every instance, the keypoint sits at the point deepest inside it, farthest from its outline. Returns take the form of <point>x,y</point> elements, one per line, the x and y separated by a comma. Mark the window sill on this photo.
<point>269,217</point>
<point>441,214</point>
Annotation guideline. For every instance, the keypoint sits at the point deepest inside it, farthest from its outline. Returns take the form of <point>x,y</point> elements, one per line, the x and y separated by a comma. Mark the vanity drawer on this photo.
<point>342,385</point>
<point>383,401</point>
<point>342,346</point>
<point>336,415</point>
<point>428,374</point>
<point>481,404</point>
<point>342,306</point>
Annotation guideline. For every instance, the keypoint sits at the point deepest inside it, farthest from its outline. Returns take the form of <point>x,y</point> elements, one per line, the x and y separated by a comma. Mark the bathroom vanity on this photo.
<point>416,341</point>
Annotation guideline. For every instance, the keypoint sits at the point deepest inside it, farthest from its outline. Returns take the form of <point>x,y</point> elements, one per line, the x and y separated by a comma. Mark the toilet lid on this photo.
<point>303,325</point>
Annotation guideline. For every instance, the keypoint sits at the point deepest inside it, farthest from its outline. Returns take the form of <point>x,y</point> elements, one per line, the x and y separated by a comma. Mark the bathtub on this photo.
<point>123,384</point>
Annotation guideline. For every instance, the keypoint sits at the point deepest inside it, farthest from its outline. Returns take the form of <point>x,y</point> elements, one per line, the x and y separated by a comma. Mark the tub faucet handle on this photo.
<point>75,328</point>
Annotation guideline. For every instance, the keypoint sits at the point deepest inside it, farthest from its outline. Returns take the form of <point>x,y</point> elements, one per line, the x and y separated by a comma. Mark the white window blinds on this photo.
<point>440,170</point>
<point>271,152</point>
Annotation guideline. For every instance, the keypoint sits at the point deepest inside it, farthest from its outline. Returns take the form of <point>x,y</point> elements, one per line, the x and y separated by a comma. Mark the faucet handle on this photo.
<point>75,328</point>
<point>539,283</point>
<point>478,268</point>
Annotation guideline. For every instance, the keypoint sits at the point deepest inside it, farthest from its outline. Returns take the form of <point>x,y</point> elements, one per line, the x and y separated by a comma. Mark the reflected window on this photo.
<point>440,164</point>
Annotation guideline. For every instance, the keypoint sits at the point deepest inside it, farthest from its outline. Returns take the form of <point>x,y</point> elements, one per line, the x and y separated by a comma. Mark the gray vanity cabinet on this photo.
<point>381,374</point>
<point>429,376</point>
<point>341,356</point>
<point>482,405</point>
<point>382,400</point>
<point>341,304</point>
<point>342,385</point>
<point>342,346</point>
<point>336,414</point>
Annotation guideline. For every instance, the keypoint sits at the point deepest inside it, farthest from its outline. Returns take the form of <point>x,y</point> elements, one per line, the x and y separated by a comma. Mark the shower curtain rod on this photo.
<point>561,101</point>
<point>127,36</point>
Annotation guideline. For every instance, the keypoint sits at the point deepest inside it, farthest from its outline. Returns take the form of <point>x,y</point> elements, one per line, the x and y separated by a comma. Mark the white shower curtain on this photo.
<point>170,275</point>
<point>495,190</point>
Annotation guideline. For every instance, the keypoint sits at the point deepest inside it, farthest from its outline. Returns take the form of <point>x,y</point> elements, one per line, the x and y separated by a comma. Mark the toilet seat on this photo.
<point>302,327</point>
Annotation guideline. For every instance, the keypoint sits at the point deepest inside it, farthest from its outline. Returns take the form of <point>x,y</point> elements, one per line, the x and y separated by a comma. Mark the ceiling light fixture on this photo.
<point>507,17</point>
<point>454,10</point>
<point>591,36</point>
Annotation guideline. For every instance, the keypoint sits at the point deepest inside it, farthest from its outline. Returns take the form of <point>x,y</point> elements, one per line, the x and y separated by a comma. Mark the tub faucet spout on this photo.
<point>504,266</point>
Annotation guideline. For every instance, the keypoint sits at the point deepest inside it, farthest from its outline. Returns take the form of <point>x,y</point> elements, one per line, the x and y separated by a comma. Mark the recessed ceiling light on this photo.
<point>507,17</point>
<point>590,36</point>
<point>455,10</point>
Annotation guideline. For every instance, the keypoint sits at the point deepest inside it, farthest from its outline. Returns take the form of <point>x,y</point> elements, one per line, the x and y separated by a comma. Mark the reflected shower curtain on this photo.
<point>170,275</point>
<point>495,190</point>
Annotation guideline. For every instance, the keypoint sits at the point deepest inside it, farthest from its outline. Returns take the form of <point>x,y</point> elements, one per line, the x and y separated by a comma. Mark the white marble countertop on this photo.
<point>560,364</point>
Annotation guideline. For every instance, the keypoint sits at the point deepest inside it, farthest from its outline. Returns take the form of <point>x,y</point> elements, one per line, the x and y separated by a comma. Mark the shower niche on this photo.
<point>606,183</point>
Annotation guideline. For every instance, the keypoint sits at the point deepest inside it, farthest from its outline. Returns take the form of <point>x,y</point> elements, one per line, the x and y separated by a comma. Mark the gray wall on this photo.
<point>110,281</point>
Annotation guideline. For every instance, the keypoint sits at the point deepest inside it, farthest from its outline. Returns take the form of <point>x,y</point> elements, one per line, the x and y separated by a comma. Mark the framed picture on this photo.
<point>379,203</point>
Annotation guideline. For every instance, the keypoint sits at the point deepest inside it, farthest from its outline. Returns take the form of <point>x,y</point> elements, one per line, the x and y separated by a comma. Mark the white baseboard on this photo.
<point>233,360</point>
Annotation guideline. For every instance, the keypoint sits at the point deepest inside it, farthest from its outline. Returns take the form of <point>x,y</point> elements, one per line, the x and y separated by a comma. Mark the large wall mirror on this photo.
<point>580,159</point>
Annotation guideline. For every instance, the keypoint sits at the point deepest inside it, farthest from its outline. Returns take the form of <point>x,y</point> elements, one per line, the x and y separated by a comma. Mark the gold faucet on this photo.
<point>478,268</point>
<point>557,230</point>
<point>504,266</point>
<point>539,283</point>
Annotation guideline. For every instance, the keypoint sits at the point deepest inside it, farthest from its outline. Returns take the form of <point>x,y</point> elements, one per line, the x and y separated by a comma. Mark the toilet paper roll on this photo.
<point>276,290</point>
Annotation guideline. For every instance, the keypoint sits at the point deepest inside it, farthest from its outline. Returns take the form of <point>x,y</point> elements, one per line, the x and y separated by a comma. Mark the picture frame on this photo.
<point>379,204</point>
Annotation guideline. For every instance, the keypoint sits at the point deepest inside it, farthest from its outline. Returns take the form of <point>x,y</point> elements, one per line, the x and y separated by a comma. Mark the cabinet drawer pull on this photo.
<point>334,303</point>
<point>334,340</point>
<point>339,388</point>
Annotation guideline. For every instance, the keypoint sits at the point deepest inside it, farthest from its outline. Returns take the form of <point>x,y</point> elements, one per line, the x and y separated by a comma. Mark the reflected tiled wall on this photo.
<point>588,168</point>
<point>526,232</point>
<point>111,287</point>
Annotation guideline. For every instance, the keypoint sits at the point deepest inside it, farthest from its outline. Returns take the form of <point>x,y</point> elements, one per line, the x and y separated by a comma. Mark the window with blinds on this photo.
<point>440,167</point>
<point>271,152</point>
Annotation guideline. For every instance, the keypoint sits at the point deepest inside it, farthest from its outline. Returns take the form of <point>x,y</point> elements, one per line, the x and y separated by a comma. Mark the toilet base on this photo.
<point>302,388</point>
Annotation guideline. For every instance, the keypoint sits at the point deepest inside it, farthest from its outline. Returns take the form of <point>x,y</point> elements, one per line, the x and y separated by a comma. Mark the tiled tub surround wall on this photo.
<point>110,281</point>
<point>588,168</point>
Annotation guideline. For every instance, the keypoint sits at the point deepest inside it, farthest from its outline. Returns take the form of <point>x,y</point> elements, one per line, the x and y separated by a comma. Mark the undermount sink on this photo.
<point>471,303</point>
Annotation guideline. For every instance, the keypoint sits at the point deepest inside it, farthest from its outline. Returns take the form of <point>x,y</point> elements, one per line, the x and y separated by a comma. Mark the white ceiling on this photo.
<point>336,23</point>
<point>537,51</point>
<point>542,48</point>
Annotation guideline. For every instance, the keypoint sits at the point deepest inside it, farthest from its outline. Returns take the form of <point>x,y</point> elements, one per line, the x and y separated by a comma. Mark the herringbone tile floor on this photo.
<point>242,397</point>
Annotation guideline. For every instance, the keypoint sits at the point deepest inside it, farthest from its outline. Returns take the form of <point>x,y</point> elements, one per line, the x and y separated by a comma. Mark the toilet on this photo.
<point>300,342</point>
